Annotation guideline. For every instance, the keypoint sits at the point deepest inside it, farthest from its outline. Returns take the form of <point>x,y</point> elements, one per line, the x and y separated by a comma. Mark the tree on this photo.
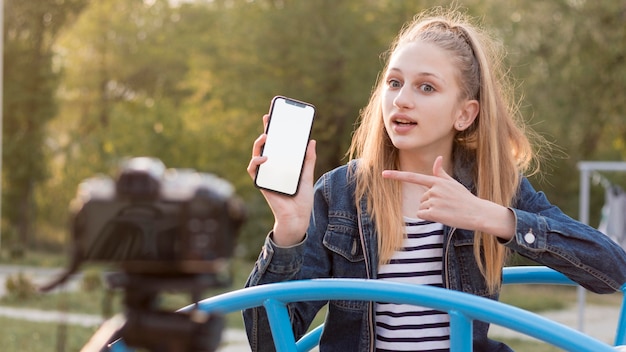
<point>569,58</point>
<point>189,83</point>
<point>30,88</point>
<point>120,95</point>
<point>324,52</point>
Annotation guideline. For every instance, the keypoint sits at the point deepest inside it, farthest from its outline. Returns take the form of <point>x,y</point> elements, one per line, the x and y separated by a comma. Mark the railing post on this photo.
<point>461,335</point>
<point>620,337</point>
<point>278,318</point>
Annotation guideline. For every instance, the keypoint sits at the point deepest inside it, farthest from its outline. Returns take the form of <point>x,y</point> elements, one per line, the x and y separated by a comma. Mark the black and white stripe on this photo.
<point>401,327</point>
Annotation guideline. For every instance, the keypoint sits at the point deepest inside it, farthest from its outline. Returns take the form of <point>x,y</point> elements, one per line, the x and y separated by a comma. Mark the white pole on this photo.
<point>1,105</point>
<point>583,214</point>
<point>586,167</point>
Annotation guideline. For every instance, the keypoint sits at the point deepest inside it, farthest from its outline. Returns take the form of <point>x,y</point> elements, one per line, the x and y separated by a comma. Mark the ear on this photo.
<point>467,114</point>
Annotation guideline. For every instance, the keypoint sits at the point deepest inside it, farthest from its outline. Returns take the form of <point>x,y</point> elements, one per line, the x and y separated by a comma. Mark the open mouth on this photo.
<point>404,122</point>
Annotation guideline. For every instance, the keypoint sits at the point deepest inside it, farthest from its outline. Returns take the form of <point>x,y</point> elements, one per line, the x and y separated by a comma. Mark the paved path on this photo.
<point>234,340</point>
<point>600,322</point>
<point>47,316</point>
<point>40,276</point>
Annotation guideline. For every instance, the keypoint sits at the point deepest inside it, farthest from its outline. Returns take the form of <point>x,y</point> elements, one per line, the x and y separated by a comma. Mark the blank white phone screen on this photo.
<point>288,134</point>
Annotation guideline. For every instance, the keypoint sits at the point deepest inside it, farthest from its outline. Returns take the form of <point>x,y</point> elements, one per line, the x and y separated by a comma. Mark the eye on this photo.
<point>427,88</point>
<point>394,83</point>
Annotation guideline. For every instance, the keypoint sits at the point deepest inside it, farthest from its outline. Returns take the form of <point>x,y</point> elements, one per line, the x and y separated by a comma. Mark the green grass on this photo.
<point>35,258</point>
<point>20,335</point>
<point>72,302</point>
<point>106,303</point>
<point>525,345</point>
<point>540,298</point>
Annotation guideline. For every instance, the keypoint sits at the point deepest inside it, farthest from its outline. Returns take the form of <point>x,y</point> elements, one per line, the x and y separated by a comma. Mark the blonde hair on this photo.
<point>496,140</point>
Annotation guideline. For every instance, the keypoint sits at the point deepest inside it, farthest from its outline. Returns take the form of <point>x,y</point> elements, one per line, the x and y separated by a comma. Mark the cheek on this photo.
<point>387,104</point>
<point>386,117</point>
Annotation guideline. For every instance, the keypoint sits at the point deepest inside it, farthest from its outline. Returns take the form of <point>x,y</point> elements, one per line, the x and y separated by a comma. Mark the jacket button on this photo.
<point>529,237</point>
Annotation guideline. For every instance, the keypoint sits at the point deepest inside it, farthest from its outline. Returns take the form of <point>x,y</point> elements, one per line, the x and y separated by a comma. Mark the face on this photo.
<point>422,108</point>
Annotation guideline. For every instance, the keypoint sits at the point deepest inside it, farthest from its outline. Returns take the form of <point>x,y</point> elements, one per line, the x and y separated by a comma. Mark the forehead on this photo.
<point>419,57</point>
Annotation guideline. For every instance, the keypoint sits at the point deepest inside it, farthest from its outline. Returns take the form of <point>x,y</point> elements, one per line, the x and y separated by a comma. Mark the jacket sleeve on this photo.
<point>278,264</point>
<point>548,236</point>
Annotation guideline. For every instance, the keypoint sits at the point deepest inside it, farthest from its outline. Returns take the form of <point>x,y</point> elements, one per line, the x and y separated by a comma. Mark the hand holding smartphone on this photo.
<point>288,132</point>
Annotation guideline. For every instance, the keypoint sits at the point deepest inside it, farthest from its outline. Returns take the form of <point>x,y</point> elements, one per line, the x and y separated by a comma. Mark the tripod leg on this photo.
<point>102,337</point>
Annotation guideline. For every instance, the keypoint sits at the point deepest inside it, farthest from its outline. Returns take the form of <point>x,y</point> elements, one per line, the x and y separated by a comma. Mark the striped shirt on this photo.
<point>402,327</point>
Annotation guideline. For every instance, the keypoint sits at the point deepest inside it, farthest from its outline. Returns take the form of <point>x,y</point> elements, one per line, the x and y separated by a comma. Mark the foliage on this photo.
<point>218,65</point>
<point>91,280</point>
<point>92,82</point>
<point>29,103</point>
<point>569,58</point>
<point>20,286</point>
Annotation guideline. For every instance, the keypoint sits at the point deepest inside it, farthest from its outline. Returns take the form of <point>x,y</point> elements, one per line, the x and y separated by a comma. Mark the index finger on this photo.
<point>266,119</point>
<point>411,177</point>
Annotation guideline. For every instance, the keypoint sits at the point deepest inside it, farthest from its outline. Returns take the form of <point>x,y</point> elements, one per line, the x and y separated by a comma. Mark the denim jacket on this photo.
<point>341,242</point>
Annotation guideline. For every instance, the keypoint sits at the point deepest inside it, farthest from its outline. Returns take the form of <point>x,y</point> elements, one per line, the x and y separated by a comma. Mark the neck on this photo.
<point>422,163</point>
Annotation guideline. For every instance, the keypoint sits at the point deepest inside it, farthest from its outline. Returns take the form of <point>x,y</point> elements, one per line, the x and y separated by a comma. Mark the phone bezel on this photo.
<point>301,159</point>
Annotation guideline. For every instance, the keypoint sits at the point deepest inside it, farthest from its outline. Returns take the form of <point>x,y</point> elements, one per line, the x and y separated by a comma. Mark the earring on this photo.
<point>460,125</point>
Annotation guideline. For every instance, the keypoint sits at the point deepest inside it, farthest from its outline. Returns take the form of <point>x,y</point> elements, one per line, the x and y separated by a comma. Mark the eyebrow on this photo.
<point>421,74</point>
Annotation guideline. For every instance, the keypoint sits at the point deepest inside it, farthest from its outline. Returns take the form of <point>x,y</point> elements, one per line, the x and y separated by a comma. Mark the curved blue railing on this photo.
<point>463,308</point>
<point>510,276</point>
<point>620,337</point>
<point>544,275</point>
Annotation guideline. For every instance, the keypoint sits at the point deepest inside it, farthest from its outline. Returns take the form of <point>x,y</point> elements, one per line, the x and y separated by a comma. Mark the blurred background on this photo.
<point>87,83</point>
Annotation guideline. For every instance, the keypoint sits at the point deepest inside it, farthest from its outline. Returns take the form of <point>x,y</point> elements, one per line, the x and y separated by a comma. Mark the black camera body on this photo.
<point>153,220</point>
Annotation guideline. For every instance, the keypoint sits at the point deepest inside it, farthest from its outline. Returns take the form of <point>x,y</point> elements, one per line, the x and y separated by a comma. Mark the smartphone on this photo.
<point>288,132</point>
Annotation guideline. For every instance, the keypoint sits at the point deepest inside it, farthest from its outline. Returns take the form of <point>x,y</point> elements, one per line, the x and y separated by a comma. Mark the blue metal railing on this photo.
<point>511,276</point>
<point>463,308</point>
<point>544,275</point>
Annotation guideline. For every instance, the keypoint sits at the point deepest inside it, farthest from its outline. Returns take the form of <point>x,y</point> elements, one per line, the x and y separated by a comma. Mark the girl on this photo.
<point>433,195</point>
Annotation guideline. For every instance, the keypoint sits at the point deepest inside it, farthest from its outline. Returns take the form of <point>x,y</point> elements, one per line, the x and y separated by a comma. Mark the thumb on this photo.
<point>309,161</point>
<point>438,170</point>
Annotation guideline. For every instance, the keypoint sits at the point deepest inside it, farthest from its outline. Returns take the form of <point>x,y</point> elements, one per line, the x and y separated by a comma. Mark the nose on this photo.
<point>403,98</point>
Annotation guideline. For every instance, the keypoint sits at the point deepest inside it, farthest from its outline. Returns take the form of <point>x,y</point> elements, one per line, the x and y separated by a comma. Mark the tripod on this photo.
<point>144,325</point>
